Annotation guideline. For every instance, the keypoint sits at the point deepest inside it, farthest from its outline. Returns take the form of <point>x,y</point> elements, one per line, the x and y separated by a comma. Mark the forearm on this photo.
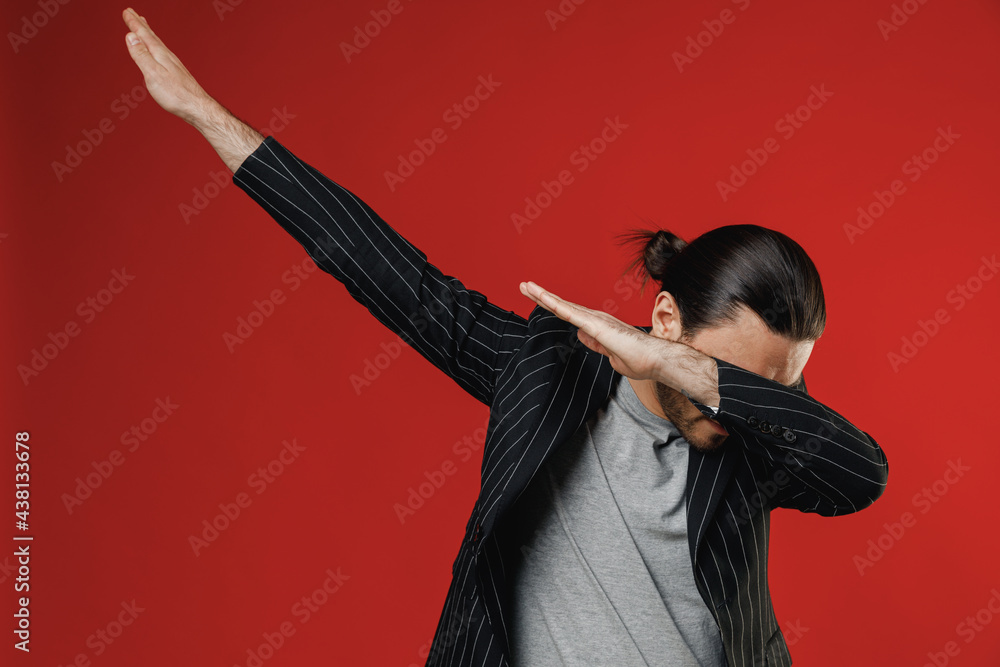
<point>231,138</point>
<point>690,372</point>
<point>828,465</point>
<point>821,461</point>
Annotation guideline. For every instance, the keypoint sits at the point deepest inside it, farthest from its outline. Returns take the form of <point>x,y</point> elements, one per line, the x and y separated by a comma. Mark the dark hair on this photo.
<point>728,267</point>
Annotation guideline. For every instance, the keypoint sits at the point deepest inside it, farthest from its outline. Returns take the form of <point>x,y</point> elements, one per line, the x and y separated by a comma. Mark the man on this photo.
<point>618,523</point>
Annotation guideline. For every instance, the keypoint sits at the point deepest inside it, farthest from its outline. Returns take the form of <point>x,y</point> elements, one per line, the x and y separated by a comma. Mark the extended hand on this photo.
<point>632,352</point>
<point>167,80</point>
<point>635,353</point>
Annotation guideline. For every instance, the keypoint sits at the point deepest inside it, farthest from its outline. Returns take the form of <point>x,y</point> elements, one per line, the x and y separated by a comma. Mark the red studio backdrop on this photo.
<point>217,432</point>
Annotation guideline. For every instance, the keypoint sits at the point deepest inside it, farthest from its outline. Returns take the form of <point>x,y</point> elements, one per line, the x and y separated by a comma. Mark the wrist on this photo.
<point>691,372</point>
<point>231,138</point>
<point>207,116</point>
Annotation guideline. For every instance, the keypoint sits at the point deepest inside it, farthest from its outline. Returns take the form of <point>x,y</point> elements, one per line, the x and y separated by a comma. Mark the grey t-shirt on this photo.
<point>604,574</point>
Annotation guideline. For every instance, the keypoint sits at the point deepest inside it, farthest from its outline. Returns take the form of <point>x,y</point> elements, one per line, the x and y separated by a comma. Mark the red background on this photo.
<point>162,336</point>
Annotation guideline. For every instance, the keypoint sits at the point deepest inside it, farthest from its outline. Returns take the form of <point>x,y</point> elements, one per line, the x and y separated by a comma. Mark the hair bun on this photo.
<point>655,249</point>
<point>663,245</point>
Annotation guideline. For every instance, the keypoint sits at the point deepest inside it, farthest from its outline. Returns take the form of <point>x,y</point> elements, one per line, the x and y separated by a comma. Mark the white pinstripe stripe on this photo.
<point>427,347</point>
<point>701,525</point>
<point>537,428</point>
<point>791,472</point>
<point>388,263</point>
<point>760,585</point>
<point>803,397</point>
<point>739,598</point>
<point>395,240</point>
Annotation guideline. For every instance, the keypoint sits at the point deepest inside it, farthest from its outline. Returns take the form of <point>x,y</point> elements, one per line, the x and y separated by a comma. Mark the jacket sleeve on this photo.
<point>455,328</point>
<point>817,461</point>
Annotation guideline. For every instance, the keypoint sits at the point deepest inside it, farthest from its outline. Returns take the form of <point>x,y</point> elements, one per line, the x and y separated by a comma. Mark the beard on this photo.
<point>694,427</point>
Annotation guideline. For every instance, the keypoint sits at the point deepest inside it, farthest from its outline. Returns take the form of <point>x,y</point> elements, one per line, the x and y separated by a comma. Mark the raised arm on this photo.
<point>457,329</point>
<point>174,89</point>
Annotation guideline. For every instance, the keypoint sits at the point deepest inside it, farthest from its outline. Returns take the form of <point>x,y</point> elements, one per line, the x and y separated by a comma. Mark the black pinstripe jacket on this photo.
<point>541,383</point>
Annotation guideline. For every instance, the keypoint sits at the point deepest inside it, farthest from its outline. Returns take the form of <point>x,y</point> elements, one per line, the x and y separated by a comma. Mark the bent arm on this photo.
<point>818,461</point>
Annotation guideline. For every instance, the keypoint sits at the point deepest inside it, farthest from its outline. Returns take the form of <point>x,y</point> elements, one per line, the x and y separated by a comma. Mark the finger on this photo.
<point>582,318</point>
<point>155,37</point>
<point>539,296</point>
<point>139,27</point>
<point>556,303</point>
<point>563,309</point>
<point>154,44</point>
<point>141,55</point>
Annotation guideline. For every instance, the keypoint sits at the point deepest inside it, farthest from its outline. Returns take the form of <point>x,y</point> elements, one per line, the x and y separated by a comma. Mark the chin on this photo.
<point>696,428</point>
<point>706,442</point>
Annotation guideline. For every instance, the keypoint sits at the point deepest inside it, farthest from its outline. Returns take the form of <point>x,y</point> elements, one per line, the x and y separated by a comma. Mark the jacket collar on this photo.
<point>583,383</point>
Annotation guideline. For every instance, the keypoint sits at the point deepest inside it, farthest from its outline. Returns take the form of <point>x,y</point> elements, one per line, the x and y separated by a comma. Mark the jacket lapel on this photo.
<point>707,477</point>
<point>579,383</point>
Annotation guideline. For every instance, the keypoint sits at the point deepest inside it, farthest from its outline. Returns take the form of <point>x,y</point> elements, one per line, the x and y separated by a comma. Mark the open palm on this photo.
<point>167,80</point>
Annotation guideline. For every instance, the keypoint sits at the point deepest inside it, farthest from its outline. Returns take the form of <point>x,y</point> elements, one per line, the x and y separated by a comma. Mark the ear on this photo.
<point>666,318</point>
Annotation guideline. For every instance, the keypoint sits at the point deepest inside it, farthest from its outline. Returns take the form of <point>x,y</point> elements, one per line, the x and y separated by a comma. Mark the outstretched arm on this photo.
<point>174,89</point>
<point>455,328</point>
